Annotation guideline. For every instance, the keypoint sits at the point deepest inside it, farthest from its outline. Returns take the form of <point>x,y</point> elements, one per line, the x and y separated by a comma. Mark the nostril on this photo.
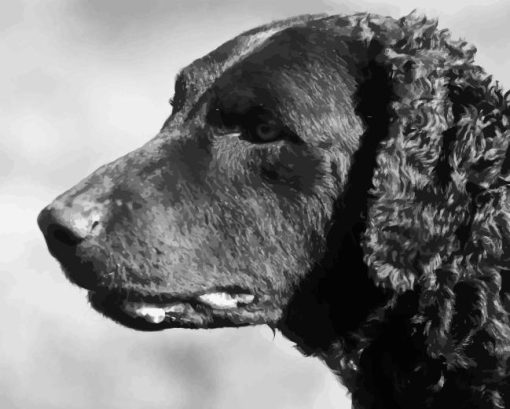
<point>59,233</point>
<point>68,225</point>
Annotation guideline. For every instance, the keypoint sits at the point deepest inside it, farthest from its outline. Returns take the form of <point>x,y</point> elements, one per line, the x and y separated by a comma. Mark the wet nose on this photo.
<point>67,225</point>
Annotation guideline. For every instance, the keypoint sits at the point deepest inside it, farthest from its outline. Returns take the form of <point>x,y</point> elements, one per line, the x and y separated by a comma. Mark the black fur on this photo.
<point>372,228</point>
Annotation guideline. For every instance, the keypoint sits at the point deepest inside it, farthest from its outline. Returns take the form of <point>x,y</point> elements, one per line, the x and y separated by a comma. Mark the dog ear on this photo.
<point>445,154</point>
<point>438,212</point>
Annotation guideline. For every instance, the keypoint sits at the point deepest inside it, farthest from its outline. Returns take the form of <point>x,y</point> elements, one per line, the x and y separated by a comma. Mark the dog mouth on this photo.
<point>156,314</point>
<point>150,309</point>
<point>217,308</point>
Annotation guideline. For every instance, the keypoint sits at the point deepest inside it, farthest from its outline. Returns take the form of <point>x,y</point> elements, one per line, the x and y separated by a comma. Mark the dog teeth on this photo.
<point>224,301</point>
<point>244,298</point>
<point>156,315</point>
<point>152,313</point>
<point>176,308</point>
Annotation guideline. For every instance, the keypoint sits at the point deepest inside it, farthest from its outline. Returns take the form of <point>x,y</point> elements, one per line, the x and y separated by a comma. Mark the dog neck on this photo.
<point>333,308</point>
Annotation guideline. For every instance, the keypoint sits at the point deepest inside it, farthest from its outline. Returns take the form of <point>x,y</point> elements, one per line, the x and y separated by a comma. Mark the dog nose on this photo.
<point>68,225</point>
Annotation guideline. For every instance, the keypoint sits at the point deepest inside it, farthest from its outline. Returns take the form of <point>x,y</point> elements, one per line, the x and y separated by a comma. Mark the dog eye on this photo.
<point>256,125</point>
<point>267,131</point>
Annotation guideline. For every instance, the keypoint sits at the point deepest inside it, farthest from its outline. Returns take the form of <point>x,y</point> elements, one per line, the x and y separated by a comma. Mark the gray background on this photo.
<point>82,82</point>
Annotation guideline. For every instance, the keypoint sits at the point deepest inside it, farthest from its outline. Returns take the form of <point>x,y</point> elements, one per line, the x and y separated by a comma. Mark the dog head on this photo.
<point>264,165</point>
<point>215,220</point>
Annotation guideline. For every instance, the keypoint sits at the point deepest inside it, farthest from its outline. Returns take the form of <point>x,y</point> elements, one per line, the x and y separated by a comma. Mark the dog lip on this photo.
<point>225,300</point>
<point>157,311</point>
<point>141,312</point>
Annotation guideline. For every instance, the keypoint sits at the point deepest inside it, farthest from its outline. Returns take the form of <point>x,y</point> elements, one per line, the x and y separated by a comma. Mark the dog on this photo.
<point>343,179</point>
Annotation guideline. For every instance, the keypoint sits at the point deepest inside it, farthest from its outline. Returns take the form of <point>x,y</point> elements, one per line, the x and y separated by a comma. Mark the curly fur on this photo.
<point>428,223</point>
<point>438,224</point>
<point>376,236</point>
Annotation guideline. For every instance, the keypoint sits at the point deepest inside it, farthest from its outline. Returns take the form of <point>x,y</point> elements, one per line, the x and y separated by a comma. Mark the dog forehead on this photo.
<point>202,72</point>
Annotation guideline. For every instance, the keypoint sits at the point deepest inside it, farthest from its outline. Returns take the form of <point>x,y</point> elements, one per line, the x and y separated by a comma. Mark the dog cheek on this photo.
<point>305,171</point>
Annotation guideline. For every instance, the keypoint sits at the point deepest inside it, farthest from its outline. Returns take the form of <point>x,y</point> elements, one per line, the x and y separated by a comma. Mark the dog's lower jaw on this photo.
<point>209,310</point>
